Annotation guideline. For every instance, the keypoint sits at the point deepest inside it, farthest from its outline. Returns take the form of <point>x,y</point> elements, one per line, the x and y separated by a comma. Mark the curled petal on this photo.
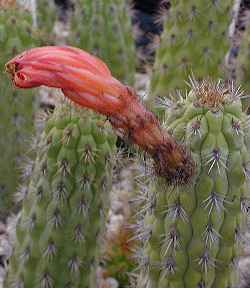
<point>29,77</point>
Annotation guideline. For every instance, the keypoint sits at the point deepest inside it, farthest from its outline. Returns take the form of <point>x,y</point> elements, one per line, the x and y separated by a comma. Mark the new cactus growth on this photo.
<point>57,233</point>
<point>118,255</point>
<point>104,28</point>
<point>119,240</point>
<point>191,233</point>
<point>194,41</point>
<point>16,122</point>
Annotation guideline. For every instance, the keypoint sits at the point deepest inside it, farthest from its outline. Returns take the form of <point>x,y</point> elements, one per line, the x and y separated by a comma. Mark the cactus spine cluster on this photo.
<point>57,233</point>
<point>194,41</point>
<point>104,28</point>
<point>16,34</point>
<point>191,233</point>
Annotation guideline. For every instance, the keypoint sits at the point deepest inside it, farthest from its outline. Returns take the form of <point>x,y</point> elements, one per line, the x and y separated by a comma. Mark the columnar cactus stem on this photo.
<point>110,23</point>
<point>194,41</point>
<point>57,233</point>
<point>191,233</point>
<point>16,123</point>
<point>242,65</point>
<point>90,84</point>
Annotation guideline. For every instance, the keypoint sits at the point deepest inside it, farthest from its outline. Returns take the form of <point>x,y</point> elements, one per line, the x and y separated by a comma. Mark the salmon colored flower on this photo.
<point>87,81</point>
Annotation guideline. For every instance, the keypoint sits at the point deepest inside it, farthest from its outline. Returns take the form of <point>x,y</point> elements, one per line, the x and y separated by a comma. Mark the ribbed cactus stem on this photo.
<point>110,22</point>
<point>57,233</point>
<point>191,233</point>
<point>195,40</point>
<point>16,109</point>
<point>44,16</point>
<point>242,66</point>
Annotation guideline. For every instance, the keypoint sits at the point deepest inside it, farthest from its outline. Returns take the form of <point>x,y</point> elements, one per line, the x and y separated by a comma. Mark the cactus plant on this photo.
<point>16,122</point>
<point>194,40</point>
<point>110,24</point>
<point>57,233</point>
<point>46,17</point>
<point>191,233</point>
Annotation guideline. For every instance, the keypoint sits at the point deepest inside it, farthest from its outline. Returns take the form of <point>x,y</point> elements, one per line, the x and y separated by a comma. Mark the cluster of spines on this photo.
<point>57,233</point>
<point>191,233</point>
<point>110,22</point>
<point>194,40</point>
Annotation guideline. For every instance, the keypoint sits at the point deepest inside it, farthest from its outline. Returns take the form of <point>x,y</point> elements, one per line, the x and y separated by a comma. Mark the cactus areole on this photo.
<point>87,81</point>
<point>191,234</point>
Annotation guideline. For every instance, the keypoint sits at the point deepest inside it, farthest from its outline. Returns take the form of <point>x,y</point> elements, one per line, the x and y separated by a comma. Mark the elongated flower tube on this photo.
<point>87,81</point>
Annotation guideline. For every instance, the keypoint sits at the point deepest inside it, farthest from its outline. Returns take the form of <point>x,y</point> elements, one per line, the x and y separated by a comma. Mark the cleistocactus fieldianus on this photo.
<point>191,224</point>
<point>191,234</point>
<point>194,40</point>
<point>104,29</point>
<point>87,81</point>
<point>16,122</point>
<point>57,233</point>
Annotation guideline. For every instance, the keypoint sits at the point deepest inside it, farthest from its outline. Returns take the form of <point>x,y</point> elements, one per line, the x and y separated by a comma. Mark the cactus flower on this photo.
<point>87,81</point>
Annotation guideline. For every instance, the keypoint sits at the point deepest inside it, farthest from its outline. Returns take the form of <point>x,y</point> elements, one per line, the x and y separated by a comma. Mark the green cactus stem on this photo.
<point>194,41</point>
<point>16,124</point>
<point>46,18</point>
<point>104,28</point>
<point>57,233</point>
<point>191,233</point>
<point>242,66</point>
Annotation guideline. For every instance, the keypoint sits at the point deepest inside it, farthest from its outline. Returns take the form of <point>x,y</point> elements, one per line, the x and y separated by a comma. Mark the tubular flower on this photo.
<point>87,81</point>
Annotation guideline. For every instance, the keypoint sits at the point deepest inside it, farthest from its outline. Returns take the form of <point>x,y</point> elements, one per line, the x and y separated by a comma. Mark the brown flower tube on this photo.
<point>87,81</point>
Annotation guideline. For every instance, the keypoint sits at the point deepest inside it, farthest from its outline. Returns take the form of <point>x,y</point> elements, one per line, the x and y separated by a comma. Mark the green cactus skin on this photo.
<point>46,17</point>
<point>104,28</point>
<point>191,233</point>
<point>194,41</point>
<point>16,124</point>
<point>57,232</point>
<point>242,65</point>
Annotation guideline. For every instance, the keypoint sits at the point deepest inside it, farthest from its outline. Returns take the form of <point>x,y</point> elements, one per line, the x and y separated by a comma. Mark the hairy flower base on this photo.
<point>87,81</point>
